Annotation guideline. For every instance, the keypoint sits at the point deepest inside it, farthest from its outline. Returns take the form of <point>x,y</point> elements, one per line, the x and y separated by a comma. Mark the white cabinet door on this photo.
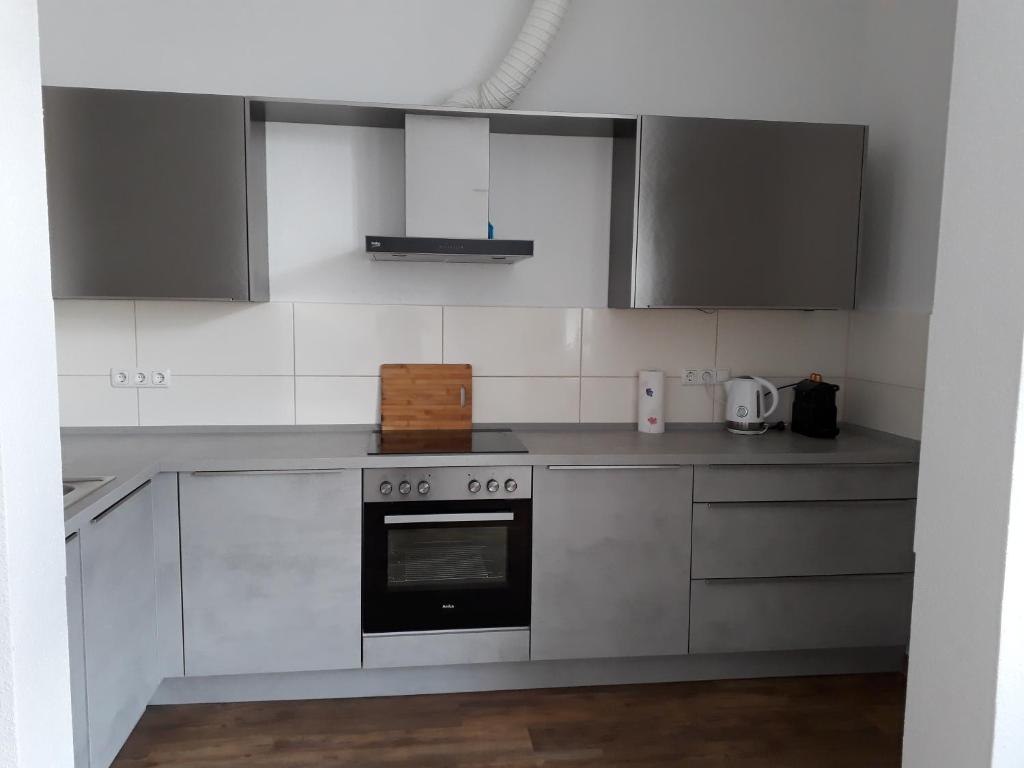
<point>271,571</point>
<point>611,562</point>
<point>119,593</point>
<point>76,648</point>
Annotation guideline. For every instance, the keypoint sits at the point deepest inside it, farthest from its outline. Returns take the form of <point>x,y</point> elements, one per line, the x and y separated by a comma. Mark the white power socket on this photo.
<point>139,378</point>
<point>695,377</point>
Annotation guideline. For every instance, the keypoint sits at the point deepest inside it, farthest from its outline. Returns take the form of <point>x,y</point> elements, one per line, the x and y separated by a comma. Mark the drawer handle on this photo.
<point>821,577</point>
<point>258,472</point>
<point>589,467</point>
<point>469,517</point>
<point>117,504</point>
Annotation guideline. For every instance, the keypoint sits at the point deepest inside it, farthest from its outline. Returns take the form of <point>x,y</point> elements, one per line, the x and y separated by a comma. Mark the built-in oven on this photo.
<point>446,548</point>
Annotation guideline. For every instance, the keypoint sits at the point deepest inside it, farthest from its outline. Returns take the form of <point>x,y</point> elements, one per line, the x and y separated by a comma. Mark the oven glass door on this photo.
<point>446,565</point>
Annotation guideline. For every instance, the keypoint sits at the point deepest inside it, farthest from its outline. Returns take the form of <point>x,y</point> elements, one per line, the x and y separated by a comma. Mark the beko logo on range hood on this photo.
<point>447,180</point>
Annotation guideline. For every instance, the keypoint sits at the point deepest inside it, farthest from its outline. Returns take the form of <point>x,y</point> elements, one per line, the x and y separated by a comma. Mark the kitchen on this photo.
<point>368,400</point>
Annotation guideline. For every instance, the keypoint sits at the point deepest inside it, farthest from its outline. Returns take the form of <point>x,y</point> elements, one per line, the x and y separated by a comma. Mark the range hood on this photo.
<point>447,184</point>
<point>461,250</point>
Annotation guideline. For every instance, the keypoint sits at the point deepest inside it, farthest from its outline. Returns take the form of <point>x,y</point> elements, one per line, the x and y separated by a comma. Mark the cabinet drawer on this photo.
<point>811,483</point>
<point>802,538</point>
<point>728,615</point>
<point>423,649</point>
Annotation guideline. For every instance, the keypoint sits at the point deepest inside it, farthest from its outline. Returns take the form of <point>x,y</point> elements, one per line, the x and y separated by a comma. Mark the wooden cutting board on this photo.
<point>426,397</point>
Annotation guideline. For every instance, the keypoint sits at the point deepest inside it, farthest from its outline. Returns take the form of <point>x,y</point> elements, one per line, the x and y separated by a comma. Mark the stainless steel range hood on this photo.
<point>447,186</point>
<point>446,249</point>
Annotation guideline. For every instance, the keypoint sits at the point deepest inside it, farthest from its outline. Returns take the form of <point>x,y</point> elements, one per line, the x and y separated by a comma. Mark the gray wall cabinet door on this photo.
<point>147,194</point>
<point>76,647</point>
<point>611,562</point>
<point>745,213</point>
<point>271,571</point>
<point>119,590</point>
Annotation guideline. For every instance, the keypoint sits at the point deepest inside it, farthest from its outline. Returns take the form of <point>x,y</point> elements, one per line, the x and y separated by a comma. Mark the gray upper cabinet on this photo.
<point>270,567</point>
<point>158,195</point>
<point>735,213</point>
<point>120,609</point>
<point>611,562</point>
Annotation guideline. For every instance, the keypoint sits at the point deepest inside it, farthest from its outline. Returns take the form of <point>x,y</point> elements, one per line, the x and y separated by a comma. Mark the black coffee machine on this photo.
<point>814,408</point>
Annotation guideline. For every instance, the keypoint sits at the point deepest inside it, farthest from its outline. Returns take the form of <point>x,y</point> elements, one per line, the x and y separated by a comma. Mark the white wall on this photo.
<point>35,701</point>
<point>907,56</point>
<point>966,654</point>
<point>782,59</point>
<point>906,61</point>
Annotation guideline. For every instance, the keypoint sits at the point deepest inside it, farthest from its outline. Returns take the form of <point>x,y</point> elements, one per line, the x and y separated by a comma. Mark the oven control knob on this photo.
<point>423,488</point>
<point>511,485</point>
<point>492,486</point>
<point>386,488</point>
<point>404,487</point>
<point>474,486</point>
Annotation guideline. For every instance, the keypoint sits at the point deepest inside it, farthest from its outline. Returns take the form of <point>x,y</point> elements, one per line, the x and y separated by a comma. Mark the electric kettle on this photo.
<point>745,413</point>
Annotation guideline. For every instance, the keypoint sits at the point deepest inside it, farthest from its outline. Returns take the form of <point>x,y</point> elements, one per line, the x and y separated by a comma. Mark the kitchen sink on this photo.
<point>76,488</point>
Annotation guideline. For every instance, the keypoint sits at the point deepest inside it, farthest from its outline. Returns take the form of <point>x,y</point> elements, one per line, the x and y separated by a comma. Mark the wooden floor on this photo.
<point>850,721</point>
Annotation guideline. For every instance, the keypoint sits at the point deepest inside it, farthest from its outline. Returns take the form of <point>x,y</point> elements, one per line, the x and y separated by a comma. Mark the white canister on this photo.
<point>650,402</point>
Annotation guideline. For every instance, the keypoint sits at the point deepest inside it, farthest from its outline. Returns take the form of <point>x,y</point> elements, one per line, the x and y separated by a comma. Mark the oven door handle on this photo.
<point>468,517</point>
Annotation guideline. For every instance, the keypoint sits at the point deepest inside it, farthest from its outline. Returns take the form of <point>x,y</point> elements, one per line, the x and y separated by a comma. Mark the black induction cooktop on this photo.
<point>424,441</point>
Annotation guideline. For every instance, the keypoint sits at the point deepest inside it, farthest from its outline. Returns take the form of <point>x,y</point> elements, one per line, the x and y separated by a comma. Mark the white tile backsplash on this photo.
<point>607,400</point>
<point>355,339</point>
<point>688,403</point>
<point>886,407</point>
<point>220,400</point>
<point>216,338</point>
<point>233,363</point>
<point>780,342</point>
<point>525,399</point>
<point>337,399</point>
<point>613,400</point>
<point>888,347</point>
<point>513,341</point>
<point>621,342</point>
<point>90,401</point>
<point>94,336</point>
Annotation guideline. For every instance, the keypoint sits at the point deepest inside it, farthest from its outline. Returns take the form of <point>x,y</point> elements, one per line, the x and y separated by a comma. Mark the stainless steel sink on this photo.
<point>76,488</point>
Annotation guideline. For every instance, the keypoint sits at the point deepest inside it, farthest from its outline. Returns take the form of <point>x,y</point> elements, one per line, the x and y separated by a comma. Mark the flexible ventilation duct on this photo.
<point>501,89</point>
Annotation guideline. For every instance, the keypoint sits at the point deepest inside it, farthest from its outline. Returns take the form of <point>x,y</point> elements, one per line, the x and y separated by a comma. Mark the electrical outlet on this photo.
<point>696,377</point>
<point>137,378</point>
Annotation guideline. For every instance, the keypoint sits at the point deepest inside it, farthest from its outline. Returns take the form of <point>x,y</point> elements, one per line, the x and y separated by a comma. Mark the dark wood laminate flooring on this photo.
<point>812,722</point>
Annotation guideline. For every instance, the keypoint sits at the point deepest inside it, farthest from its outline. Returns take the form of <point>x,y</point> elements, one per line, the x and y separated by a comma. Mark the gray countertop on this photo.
<point>136,455</point>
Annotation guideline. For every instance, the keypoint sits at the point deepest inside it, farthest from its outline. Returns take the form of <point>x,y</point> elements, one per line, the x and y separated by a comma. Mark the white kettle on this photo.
<point>745,413</point>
